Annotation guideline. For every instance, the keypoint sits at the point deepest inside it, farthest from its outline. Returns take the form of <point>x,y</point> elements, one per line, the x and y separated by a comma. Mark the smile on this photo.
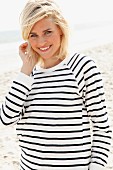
<point>45,48</point>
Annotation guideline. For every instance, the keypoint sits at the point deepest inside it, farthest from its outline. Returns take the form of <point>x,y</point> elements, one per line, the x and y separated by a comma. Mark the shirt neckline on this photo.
<point>38,67</point>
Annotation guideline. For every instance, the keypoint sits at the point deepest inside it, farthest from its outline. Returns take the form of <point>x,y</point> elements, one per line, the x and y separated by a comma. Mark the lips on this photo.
<point>44,49</point>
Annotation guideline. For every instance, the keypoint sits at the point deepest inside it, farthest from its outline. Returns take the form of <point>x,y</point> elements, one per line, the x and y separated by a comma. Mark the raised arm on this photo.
<point>13,106</point>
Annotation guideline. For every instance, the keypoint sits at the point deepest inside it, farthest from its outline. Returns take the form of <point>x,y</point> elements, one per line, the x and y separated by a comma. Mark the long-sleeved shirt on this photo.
<point>61,116</point>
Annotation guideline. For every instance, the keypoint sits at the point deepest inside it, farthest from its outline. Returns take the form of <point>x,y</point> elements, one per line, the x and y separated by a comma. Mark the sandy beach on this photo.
<point>9,150</point>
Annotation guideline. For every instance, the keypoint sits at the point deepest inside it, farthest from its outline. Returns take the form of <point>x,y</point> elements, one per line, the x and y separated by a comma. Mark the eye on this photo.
<point>48,32</point>
<point>33,35</point>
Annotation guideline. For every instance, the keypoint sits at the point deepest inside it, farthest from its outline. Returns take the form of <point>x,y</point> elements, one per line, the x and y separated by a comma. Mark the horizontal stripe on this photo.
<point>51,105</point>
<point>20,84</point>
<point>94,82</point>
<point>61,158</point>
<point>50,76</point>
<point>58,92</point>
<point>8,116</point>
<point>54,111</point>
<point>55,98</point>
<point>19,105</point>
<point>12,94</point>
<point>50,165</point>
<point>52,87</point>
<point>55,145</point>
<point>53,118</point>
<point>18,90</point>
<point>55,81</point>
<point>6,123</point>
<point>48,131</point>
<point>56,139</point>
<point>98,157</point>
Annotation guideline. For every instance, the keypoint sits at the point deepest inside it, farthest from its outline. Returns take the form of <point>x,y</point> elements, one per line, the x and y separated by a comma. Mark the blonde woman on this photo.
<point>54,97</point>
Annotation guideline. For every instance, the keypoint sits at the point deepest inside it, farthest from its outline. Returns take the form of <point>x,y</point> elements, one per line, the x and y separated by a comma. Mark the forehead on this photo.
<point>44,24</point>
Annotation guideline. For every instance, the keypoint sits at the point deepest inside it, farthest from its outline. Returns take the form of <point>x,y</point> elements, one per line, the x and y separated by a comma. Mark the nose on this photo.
<point>41,41</point>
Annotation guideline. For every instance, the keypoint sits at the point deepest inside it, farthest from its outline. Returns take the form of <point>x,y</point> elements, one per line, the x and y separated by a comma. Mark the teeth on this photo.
<point>43,49</point>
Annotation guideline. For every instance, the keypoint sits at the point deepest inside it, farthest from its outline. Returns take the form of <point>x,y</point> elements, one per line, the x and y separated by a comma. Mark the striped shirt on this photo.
<point>61,116</point>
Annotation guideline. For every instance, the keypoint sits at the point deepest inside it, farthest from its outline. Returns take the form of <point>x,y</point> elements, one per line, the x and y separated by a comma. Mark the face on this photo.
<point>45,38</point>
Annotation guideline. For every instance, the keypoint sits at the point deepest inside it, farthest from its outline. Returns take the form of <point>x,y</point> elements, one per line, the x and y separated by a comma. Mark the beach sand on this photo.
<point>9,150</point>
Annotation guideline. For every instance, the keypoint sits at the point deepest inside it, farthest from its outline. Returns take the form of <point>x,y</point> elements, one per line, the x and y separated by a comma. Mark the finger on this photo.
<point>23,46</point>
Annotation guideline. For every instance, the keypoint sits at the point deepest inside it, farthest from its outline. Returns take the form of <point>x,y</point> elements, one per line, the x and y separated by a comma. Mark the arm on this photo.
<point>96,108</point>
<point>13,106</point>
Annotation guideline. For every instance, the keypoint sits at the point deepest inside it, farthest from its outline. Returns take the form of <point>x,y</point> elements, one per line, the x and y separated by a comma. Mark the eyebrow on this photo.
<point>43,31</point>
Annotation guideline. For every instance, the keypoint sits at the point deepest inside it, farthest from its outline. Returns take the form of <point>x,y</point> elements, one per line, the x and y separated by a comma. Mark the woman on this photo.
<point>55,96</point>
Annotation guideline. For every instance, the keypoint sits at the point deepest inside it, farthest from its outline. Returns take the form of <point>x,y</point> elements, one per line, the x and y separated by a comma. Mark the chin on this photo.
<point>46,57</point>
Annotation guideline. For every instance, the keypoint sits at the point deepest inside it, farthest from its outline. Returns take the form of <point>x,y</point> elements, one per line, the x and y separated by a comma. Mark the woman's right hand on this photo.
<point>28,61</point>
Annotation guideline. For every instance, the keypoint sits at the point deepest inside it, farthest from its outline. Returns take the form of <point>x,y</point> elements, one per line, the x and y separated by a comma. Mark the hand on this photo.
<point>28,61</point>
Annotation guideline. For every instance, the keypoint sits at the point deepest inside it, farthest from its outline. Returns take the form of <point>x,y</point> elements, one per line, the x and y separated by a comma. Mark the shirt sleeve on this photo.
<point>96,109</point>
<point>12,107</point>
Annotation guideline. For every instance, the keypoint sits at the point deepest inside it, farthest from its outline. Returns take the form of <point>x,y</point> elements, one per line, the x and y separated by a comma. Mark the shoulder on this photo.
<point>79,61</point>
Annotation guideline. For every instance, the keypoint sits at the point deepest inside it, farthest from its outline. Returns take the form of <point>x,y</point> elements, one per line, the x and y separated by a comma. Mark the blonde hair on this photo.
<point>34,11</point>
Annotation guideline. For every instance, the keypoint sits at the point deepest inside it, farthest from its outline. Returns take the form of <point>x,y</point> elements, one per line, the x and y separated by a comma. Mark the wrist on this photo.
<point>26,70</point>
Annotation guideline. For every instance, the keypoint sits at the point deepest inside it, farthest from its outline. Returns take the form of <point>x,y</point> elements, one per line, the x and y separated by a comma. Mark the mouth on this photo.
<point>44,49</point>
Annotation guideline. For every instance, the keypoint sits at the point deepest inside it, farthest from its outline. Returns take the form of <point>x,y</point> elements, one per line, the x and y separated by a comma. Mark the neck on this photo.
<point>51,63</point>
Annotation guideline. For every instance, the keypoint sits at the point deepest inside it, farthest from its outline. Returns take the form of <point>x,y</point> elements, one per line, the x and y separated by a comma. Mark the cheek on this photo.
<point>56,40</point>
<point>33,44</point>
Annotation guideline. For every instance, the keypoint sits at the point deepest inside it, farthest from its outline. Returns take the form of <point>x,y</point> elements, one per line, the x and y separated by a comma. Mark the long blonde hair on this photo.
<point>34,11</point>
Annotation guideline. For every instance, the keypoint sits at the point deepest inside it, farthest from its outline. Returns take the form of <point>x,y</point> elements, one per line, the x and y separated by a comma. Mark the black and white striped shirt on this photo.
<point>53,109</point>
